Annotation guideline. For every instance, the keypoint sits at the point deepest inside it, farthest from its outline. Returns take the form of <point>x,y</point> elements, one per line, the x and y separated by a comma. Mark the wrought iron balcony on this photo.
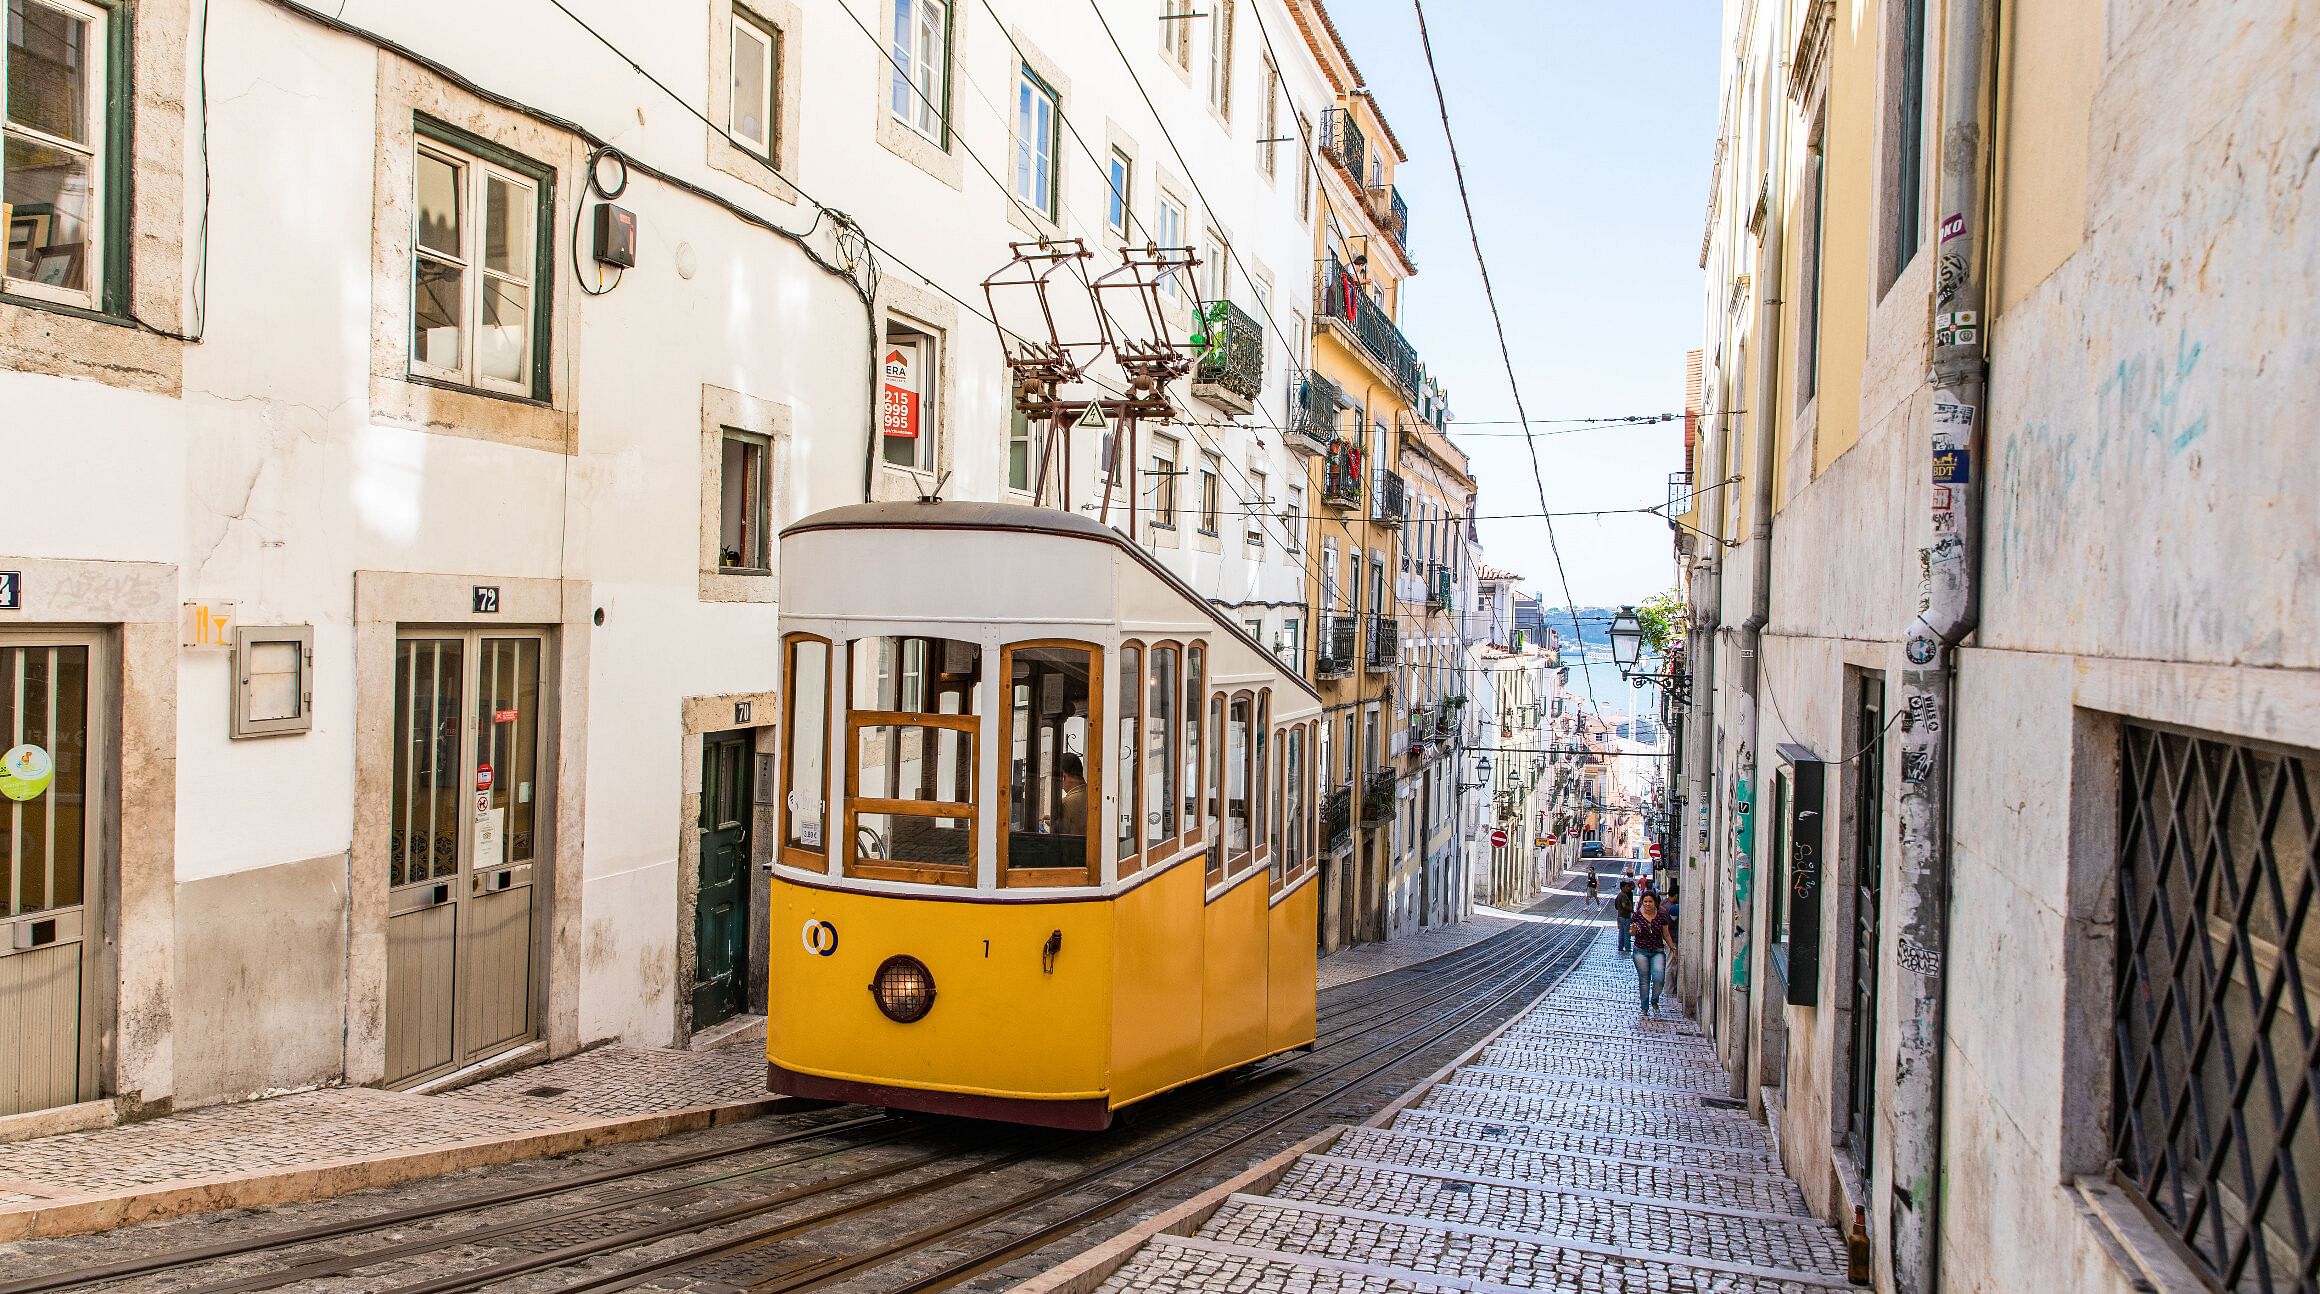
<point>1341,475</point>
<point>1391,500</point>
<point>1333,645</point>
<point>1377,797</point>
<point>1344,300</point>
<point>1342,143</point>
<point>1385,642</point>
<point>1337,819</point>
<point>1313,424</point>
<point>1391,213</point>
<point>1231,370</point>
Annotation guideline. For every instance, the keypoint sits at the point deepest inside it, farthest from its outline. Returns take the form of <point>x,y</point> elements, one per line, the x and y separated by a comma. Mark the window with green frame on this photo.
<point>1037,127</point>
<point>482,258</point>
<point>64,153</point>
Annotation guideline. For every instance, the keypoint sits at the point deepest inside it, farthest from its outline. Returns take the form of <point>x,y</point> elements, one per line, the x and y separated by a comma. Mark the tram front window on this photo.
<point>911,771</point>
<point>1052,789</point>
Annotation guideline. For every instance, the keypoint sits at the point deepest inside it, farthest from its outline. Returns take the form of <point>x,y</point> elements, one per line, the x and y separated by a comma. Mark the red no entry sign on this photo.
<point>1498,837</point>
<point>1655,853</point>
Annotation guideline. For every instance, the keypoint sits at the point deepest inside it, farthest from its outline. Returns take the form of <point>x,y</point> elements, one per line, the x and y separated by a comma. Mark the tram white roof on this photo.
<point>966,573</point>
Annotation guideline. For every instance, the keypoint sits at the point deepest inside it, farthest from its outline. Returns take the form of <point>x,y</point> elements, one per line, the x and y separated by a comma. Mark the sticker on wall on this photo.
<point>483,777</point>
<point>25,772</point>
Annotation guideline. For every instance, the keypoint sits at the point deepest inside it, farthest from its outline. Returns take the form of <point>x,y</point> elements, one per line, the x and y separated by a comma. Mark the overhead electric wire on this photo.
<point>1498,324</point>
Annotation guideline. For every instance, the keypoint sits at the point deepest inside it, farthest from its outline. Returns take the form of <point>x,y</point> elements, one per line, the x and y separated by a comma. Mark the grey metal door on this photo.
<point>50,828</point>
<point>468,822</point>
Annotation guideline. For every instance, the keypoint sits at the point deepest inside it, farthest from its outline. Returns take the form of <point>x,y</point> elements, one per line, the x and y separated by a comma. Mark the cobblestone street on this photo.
<point>1578,1151</point>
<point>229,1155</point>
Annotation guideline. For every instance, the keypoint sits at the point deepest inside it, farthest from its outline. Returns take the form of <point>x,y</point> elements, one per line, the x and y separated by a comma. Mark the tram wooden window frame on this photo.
<point>1175,844</point>
<point>1239,862</point>
<point>1094,763</point>
<point>1132,792</point>
<point>1192,831</point>
<point>881,869</point>
<point>955,875</point>
<point>798,855</point>
<point>1213,784</point>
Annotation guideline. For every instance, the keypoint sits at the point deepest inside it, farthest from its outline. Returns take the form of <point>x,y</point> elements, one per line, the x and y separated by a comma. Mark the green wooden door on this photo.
<point>721,909</point>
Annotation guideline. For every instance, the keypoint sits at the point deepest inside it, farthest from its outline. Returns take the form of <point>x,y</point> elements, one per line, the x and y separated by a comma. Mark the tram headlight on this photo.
<point>904,989</point>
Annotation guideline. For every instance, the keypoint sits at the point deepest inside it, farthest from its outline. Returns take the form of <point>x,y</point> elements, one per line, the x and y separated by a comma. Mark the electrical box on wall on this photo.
<point>615,235</point>
<point>273,678</point>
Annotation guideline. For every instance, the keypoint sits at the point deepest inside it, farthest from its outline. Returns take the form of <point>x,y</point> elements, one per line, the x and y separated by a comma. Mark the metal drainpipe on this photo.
<point>1765,402</point>
<point>1950,608</point>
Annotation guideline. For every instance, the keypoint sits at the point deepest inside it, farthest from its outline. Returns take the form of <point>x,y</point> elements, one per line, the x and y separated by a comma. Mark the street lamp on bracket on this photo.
<point>1627,653</point>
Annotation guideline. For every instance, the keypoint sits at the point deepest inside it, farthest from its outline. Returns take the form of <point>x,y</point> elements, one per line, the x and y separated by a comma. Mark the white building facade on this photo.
<point>388,592</point>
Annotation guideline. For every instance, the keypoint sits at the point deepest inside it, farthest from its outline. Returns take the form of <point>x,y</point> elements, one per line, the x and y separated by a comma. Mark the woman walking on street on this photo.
<point>1594,890</point>
<point>1650,931</point>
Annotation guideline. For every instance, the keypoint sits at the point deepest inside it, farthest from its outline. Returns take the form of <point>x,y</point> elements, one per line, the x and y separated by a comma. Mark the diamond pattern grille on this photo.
<point>2216,1058</point>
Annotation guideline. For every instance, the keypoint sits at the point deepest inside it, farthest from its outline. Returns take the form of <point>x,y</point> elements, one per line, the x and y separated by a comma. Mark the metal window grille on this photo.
<point>2216,1060</point>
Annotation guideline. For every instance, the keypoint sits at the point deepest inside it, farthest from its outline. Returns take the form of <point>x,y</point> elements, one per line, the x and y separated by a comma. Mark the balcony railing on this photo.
<point>1385,642</point>
<point>1391,500</point>
<point>1314,422</point>
<point>1377,797</point>
<point>1231,371</point>
<point>1341,475</point>
<point>1344,299</point>
<point>1337,819</point>
<point>1391,213</point>
<point>1333,645</point>
<point>1342,143</point>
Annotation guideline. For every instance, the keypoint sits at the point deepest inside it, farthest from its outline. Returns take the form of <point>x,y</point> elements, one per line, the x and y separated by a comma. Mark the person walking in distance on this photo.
<point>1623,910</point>
<point>1594,890</point>
<point>1649,929</point>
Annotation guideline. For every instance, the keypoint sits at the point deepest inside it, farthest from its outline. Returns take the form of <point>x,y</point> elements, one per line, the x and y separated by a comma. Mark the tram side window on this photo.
<point>1238,784</point>
<point>1195,693</point>
<point>805,784</point>
<point>1290,823</point>
<point>911,758</point>
<point>1159,806</point>
<point>1131,692</point>
<point>1050,697</point>
<point>1261,775</point>
<point>1216,776</point>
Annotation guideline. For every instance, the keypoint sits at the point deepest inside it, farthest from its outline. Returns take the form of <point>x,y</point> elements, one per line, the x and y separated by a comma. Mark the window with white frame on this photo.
<point>1122,177</point>
<point>53,187</point>
<point>1220,56</point>
<point>1176,31</point>
<point>1304,169</point>
<point>753,117</point>
<point>1215,268</point>
<point>1293,519</point>
<point>744,519</point>
<point>478,295</point>
<point>1168,231</point>
<point>906,405</point>
<point>1268,136</point>
<point>1035,138</point>
<point>921,52</point>
<point>1211,493</point>
<point>1259,499</point>
<point>1018,452</point>
<point>1164,470</point>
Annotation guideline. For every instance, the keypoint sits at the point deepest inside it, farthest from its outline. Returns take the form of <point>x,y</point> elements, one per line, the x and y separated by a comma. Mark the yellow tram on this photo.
<point>1049,824</point>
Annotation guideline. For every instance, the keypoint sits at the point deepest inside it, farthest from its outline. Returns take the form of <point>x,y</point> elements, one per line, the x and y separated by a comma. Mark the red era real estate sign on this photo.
<point>898,394</point>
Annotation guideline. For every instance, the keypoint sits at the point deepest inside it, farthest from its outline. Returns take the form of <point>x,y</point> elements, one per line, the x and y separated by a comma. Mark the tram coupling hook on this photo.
<point>1047,954</point>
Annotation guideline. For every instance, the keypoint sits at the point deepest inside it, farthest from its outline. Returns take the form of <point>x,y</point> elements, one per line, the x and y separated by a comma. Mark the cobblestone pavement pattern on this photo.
<point>1574,1153</point>
<point>359,1122</point>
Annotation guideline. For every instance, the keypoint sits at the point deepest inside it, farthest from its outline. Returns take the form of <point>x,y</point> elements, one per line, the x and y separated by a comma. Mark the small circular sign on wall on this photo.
<point>25,772</point>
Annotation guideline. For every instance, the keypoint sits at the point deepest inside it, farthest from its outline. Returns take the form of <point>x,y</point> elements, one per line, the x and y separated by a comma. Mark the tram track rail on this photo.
<point>1468,985</point>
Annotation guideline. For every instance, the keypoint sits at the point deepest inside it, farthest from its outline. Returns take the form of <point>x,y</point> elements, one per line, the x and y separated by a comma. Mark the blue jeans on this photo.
<point>1626,936</point>
<point>1650,972</point>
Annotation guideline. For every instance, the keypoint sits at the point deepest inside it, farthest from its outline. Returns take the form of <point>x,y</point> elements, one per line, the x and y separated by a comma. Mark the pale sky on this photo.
<point>1587,131</point>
